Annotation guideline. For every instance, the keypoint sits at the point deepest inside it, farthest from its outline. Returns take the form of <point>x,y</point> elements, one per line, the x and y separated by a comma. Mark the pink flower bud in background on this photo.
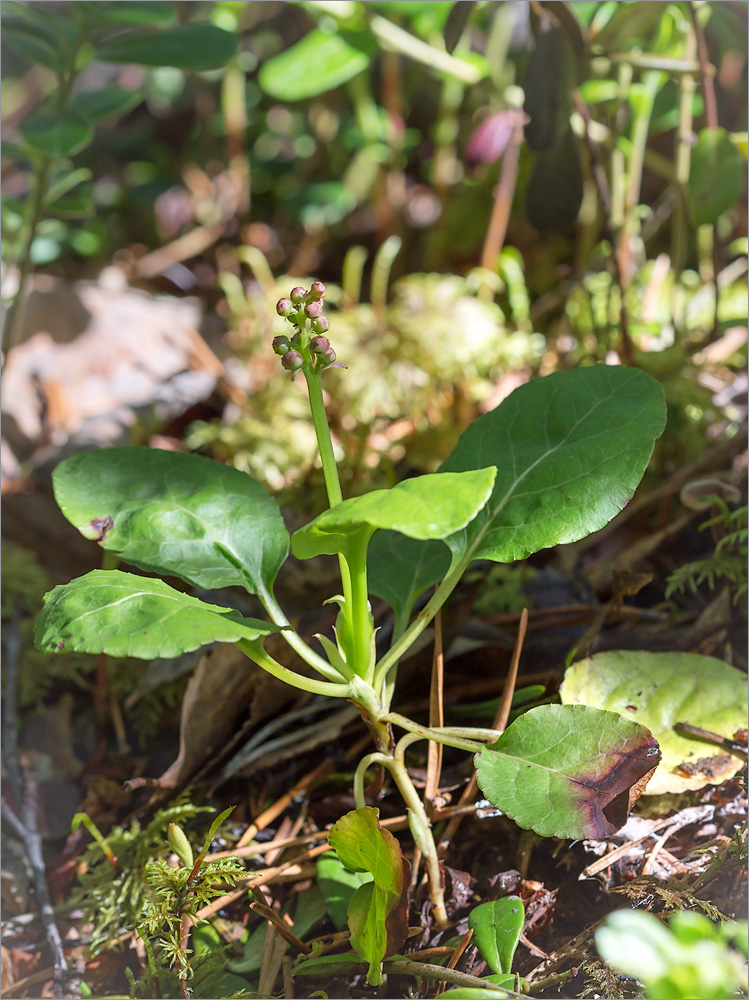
<point>489,141</point>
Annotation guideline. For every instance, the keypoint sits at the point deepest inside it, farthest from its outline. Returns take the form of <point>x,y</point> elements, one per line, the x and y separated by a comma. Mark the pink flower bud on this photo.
<point>319,345</point>
<point>313,310</point>
<point>284,307</point>
<point>298,295</point>
<point>317,289</point>
<point>292,361</point>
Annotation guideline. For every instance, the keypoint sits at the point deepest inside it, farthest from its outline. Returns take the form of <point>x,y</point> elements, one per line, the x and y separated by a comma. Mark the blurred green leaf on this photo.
<point>134,12</point>
<point>106,102</point>
<point>716,176</point>
<point>629,23</point>
<point>188,47</point>
<point>457,19</point>
<point>318,63</point>
<point>61,134</point>
<point>64,182</point>
<point>687,961</point>
<point>73,206</point>
<point>32,45</point>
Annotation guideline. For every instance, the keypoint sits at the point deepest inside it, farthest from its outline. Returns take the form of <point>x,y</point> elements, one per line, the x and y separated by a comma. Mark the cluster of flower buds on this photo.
<point>304,310</point>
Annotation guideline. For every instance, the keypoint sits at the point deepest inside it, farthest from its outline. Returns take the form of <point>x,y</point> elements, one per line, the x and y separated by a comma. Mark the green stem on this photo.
<point>421,830</point>
<point>357,612</point>
<point>258,655</point>
<point>364,763</point>
<point>322,432</point>
<point>327,458</point>
<point>33,219</point>
<point>461,737</point>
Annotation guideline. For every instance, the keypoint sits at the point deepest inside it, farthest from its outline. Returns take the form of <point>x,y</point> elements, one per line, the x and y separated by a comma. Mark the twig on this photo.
<point>36,208</point>
<point>693,814</point>
<point>704,734</point>
<point>500,722</point>
<point>495,234</point>
<point>456,956</point>
<point>283,802</point>
<point>707,71</point>
<point>707,74</point>
<point>407,967</point>
<point>503,711</point>
<point>288,979</point>
<point>262,878</point>
<point>436,716</point>
<point>267,913</point>
<point>557,980</point>
<point>10,723</point>
<point>27,831</point>
<point>604,196</point>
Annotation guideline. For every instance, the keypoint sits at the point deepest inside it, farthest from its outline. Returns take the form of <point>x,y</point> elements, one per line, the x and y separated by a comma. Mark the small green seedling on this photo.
<point>555,461</point>
<point>497,926</point>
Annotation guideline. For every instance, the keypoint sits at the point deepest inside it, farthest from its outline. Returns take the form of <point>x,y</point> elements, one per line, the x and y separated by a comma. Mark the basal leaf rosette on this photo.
<point>568,770</point>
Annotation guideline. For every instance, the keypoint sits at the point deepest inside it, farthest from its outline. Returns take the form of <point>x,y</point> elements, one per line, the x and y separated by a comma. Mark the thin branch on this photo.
<point>12,645</point>
<point>505,192</point>
<point>28,833</point>
<point>436,715</point>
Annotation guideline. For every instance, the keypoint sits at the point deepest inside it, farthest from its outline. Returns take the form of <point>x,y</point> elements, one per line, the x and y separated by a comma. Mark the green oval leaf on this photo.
<point>658,690</point>
<point>431,506</point>
<point>106,102</point>
<point>570,448</point>
<point>378,910</point>
<point>60,134</point>
<point>121,614</point>
<point>716,175</point>
<point>319,62</point>
<point>567,770</point>
<point>187,46</point>
<point>497,926</point>
<point>181,515</point>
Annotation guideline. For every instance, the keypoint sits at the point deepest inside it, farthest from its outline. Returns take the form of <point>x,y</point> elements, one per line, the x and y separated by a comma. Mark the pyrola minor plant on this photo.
<point>555,461</point>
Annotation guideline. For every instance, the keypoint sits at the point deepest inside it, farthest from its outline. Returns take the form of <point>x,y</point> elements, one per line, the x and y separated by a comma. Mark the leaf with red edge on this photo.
<point>568,770</point>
